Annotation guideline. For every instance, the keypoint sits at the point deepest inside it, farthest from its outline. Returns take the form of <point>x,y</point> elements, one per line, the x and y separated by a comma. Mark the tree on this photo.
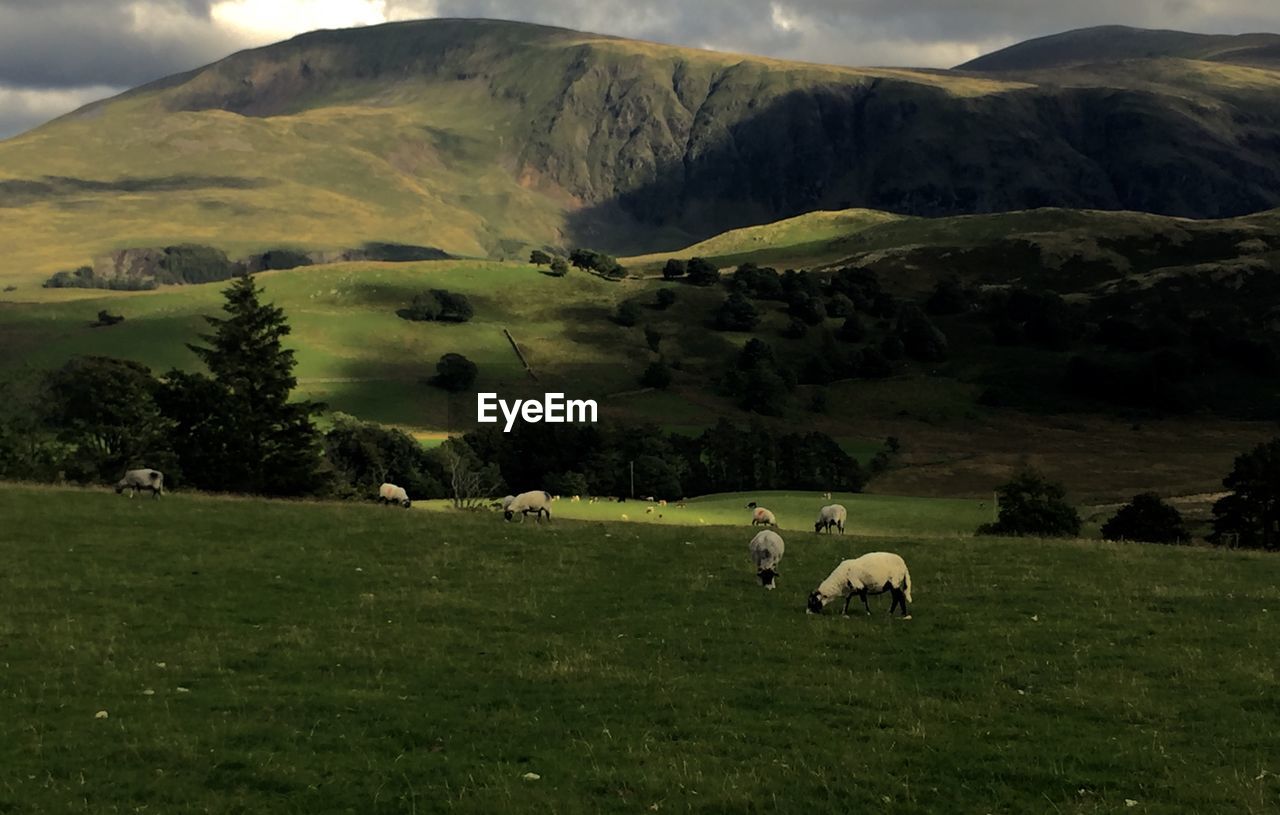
<point>471,482</point>
<point>796,329</point>
<point>1250,516</point>
<point>627,314</point>
<point>105,410</point>
<point>674,269</point>
<point>920,338</point>
<point>702,272</point>
<point>852,330</point>
<point>539,258</point>
<point>591,260</point>
<point>664,299</point>
<point>652,337</point>
<point>558,267</point>
<point>1032,506</point>
<point>455,373</point>
<point>657,375</point>
<point>363,455</point>
<point>804,306</point>
<point>948,297</point>
<point>736,314</point>
<point>274,440</point>
<point>1146,518</point>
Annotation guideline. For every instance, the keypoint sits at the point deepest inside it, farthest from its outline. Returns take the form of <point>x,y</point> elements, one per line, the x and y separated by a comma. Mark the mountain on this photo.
<point>486,138</point>
<point>1117,43</point>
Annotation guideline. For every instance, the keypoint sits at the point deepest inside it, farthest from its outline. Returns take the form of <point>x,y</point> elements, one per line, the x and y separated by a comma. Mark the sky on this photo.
<point>56,55</point>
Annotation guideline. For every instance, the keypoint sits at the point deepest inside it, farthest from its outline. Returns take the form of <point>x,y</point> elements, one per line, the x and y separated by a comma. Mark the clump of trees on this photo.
<point>1249,517</point>
<point>701,272</point>
<point>438,305</point>
<point>627,314</point>
<point>1033,506</point>
<point>1146,518</point>
<point>674,269</point>
<point>736,314</point>
<point>455,373</point>
<point>593,261</point>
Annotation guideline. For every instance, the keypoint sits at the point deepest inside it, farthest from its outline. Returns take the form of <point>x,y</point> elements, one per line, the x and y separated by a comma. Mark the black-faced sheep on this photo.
<point>536,502</point>
<point>145,479</point>
<point>761,516</point>
<point>874,573</point>
<point>391,494</point>
<point>829,516</point>
<point>766,551</point>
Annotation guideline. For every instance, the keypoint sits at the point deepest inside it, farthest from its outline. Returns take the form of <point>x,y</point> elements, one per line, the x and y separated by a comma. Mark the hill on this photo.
<point>485,138</point>
<point>1116,43</point>
<point>249,653</point>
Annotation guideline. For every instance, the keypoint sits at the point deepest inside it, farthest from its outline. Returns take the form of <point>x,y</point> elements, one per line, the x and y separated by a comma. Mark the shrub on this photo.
<point>674,269</point>
<point>702,272</point>
<point>439,305</point>
<point>1031,505</point>
<point>657,375</point>
<point>665,298</point>
<point>1250,516</point>
<point>852,330</point>
<point>1146,518</point>
<point>736,314</point>
<point>539,258</point>
<point>455,373</point>
<point>558,268</point>
<point>652,337</point>
<point>627,314</point>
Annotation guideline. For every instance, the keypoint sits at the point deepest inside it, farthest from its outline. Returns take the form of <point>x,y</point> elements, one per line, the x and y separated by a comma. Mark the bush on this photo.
<point>921,340</point>
<point>806,307</point>
<point>702,272</point>
<point>797,329</point>
<point>657,375</point>
<point>761,284</point>
<point>1250,515</point>
<point>665,298</point>
<point>736,314</point>
<point>627,314</point>
<point>539,258</point>
<point>438,305</point>
<point>455,373</point>
<point>852,330</point>
<point>674,269</point>
<point>593,261</point>
<point>948,297</point>
<point>106,318</point>
<point>1146,518</point>
<point>1032,506</point>
<point>558,268</point>
<point>652,337</point>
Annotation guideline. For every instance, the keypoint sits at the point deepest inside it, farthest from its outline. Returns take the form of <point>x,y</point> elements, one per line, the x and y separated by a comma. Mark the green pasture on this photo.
<point>202,654</point>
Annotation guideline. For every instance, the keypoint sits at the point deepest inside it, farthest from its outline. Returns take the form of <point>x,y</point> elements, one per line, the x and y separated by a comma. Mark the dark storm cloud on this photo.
<point>54,54</point>
<point>68,44</point>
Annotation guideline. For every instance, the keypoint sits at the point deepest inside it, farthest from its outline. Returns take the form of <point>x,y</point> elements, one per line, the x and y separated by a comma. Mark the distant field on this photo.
<point>869,515</point>
<point>281,656</point>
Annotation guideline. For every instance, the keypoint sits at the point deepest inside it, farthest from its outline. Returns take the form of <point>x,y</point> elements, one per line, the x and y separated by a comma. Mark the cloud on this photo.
<point>22,108</point>
<point>60,50</point>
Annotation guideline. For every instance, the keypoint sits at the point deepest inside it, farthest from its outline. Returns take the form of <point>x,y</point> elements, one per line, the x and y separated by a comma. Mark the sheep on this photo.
<point>829,516</point>
<point>575,499</point>
<point>826,495</point>
<point>761,516</point>
<point>662,503</point>
<point>142,480</point>
<point>766,550</point>
<point>536,501</point>
<point>874,573</point>
<point>391,494</point>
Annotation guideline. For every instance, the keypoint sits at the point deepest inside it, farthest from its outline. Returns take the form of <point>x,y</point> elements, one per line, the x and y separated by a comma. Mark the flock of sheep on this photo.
<point>874,573</point>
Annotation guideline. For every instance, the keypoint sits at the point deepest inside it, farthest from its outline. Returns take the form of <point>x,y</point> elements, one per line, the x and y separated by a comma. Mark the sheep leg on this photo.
<point>900,599</point>
<point>863,595</point>
<point>847,598</point>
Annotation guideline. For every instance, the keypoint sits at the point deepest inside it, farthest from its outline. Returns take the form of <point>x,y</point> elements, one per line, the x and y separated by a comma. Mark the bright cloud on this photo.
<point>269,20</point>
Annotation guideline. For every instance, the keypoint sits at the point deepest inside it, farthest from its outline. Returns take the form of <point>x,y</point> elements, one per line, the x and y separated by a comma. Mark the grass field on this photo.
<point>255,656</point>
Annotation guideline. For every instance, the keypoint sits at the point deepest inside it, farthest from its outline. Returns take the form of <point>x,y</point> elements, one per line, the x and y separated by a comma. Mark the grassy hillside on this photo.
<point>1117,43</point>
<point>289,656</point>
<point>487,138</point>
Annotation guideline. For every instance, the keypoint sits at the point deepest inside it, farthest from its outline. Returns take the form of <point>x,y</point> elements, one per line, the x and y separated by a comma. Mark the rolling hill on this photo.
<point>1117,43</point>
<point>486,138</point>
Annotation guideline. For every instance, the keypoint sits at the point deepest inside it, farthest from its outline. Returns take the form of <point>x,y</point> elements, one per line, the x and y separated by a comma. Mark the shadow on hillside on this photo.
<point>915,149</point>
<point>19,192</point>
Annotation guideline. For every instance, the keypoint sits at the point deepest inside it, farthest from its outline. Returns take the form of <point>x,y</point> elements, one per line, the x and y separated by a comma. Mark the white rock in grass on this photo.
<point>183,690</point>
<point>1129,802</point>
<point>101,714</point>
<point>148,692</point>
<point>531,777</point>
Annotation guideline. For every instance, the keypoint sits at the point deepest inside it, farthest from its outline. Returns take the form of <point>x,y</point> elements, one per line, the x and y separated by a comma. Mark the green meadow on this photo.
<point>204,654</point>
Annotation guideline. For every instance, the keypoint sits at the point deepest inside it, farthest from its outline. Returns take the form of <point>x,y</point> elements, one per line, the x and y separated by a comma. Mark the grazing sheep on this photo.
<point>829,516</point>
<point>624,517</point>
<point>575,499</point>
<point>874,573</point>
<point>826,495</point>
<point>761,516</point>
<point>536,501</point>
<point>648,510</point>
<point>649,499</point>
<point>766,551</point>
<point>142,480</point>
<point>391,494</point>
<point>662,503</point>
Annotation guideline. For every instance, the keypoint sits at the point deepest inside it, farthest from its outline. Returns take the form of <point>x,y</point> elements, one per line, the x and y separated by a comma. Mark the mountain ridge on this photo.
<point>489,137</point>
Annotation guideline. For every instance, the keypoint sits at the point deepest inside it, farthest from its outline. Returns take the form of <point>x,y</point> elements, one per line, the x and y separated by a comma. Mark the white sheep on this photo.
<point>766,551</point>
<point>506,502</point>
<point>145,479</point>
<point>829,516</point>
<point>761,516</point>
<point>391,494</point>
<point>536,502</point>
<point>874,573</point>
